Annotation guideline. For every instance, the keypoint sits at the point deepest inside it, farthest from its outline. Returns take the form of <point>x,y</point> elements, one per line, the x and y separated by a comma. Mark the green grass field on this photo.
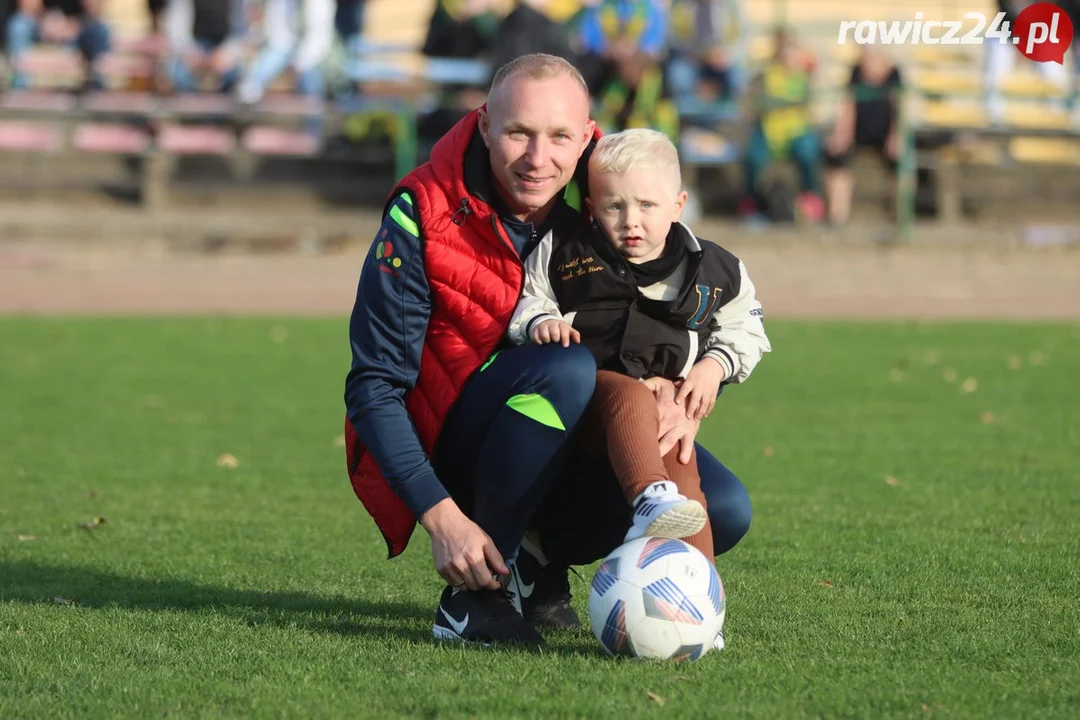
<point>915,549</point>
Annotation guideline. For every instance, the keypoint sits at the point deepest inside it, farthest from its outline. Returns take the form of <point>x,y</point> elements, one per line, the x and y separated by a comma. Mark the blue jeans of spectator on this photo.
<point>185,81</point>
<point>804,152</point>
<point>685,72</point>
<point>349,23</point>
<point>271,62</point>
<point>23,31</point>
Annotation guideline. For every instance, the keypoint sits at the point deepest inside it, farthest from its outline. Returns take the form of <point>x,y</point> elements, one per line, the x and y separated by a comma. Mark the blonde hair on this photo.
<point>637,149</point>
<point>537,66</point>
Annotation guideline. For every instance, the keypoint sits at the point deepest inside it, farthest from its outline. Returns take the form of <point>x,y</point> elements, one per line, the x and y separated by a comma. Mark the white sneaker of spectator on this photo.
<point>249,92</point>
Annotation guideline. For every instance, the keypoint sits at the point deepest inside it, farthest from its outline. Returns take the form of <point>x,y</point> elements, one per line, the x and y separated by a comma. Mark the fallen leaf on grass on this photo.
<point>1023,540</point>
<point>93,524</point>
<point>278,334</point>
<point>949,375</point>
<point>1037,358</point>
<point>769,452</point>
<point>987,418</point>
<point>825,583</point>
<point>339,441</point>
<point>969,385</point>
<point>679,677</point>
<point>62,600</point>
<point>227,460</point>
<point>27,538</point>
<point>892,482</point>
<point>1014,362</point>
<point>656,698</point>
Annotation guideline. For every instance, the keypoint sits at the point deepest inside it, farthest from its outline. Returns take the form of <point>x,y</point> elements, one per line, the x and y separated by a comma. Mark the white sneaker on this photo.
<point>660,511</point>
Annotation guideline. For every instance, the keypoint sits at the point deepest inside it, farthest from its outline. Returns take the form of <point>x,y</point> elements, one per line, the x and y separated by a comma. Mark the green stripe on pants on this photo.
<point>538,408</point>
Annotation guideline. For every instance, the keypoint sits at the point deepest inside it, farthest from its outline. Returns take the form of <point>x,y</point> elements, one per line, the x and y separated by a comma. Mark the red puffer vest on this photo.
<point>475,277</point>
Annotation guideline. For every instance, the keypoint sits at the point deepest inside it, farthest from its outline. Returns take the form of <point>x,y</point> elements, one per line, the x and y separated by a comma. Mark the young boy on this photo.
<point>650,301</point>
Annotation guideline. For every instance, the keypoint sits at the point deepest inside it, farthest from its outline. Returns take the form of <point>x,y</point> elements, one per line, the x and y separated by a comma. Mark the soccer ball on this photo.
<point>656,599</point>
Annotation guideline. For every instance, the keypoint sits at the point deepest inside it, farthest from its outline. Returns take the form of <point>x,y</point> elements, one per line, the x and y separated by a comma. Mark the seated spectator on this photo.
<point>605,28</point>
<point>206,43</point>
<point>461,29</point>
<point>458,29</point>
<point>63,22</point>
<point>285,48</point>
<point>782,130</point>
<point>529,29</point>
<point>868,118</point>
<point>634,95</point>
<point>156,8</point>
<point>706,49</point>
<point>349,24</point>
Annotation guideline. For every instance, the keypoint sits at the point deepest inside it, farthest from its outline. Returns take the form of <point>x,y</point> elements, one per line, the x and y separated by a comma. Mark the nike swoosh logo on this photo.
<point>526,590</point>
<point>459,627</point>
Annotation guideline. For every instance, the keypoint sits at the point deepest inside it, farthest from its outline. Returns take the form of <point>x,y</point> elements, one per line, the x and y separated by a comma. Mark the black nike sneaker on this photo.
<point>542,592</point>
<point>483,617</point>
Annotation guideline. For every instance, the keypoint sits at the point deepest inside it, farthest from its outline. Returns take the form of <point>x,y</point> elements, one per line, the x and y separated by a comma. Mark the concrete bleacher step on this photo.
<point>38,101</point>
<point>280,142</point>
<point>114,138</point>
<point>195,140</point>
<point>119,103</point>
<point>22,136</point>
<point>1017,84</point>
<point>1045,151</point>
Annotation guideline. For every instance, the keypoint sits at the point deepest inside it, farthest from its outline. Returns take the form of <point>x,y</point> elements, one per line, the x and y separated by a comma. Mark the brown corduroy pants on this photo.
<point>622,422</point>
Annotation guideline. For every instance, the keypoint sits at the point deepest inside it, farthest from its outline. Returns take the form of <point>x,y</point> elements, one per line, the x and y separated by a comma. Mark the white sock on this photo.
<point>661,487</point>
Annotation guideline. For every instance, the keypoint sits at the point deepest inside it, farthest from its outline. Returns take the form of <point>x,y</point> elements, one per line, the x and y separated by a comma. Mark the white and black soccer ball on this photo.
<point>657,599</point>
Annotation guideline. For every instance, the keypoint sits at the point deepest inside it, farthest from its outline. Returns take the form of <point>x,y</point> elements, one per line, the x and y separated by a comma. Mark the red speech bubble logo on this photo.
<point>1043,32</point>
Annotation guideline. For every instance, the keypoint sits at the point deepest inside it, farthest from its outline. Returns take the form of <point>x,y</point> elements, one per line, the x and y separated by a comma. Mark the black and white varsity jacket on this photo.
<point>705,308</point>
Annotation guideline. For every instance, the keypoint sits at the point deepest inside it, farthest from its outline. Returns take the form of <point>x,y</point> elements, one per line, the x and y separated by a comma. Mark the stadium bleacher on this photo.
<point>943,98</point>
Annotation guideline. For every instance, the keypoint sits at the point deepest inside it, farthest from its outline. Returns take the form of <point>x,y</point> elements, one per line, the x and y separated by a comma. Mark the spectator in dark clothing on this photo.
<point>868,118</point>
<point>62,22</point>
<point>464,29</point>
<point>156,8</point>
<point>461,29</point>
<point>205,42</point>
<point>528,29</point>
<point>349,23</point>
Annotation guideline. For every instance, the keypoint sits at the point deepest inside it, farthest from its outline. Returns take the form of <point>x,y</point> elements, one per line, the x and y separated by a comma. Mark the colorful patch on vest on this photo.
<point>386,260</point>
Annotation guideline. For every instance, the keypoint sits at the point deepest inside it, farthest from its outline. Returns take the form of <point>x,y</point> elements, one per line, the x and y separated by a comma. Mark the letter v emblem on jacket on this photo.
<point>707,303</point>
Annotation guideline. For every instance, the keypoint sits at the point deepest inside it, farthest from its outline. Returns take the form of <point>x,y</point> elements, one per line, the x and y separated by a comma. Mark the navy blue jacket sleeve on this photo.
<point>387,329</point>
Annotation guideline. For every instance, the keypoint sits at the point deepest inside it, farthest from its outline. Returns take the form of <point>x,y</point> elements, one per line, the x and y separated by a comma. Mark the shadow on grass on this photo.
<point>32,583</point>
<point>37,584</point>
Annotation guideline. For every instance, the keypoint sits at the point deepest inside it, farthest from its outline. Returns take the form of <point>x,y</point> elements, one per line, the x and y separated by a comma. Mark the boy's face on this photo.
<point>636,210</point>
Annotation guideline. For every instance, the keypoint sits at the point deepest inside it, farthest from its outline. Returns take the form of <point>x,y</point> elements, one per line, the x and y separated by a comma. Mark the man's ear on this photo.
<point>590,130</point>
<point>484,125</point>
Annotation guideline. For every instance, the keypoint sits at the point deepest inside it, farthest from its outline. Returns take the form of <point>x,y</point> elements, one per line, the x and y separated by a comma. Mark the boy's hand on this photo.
<point>556,331</point>
<point>698,391</point>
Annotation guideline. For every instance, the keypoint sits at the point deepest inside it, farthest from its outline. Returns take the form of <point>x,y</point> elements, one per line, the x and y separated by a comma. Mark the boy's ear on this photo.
<point>680,203</point>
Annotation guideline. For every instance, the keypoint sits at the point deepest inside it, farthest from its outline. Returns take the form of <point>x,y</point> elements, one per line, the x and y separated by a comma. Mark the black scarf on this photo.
<point>653,271</point>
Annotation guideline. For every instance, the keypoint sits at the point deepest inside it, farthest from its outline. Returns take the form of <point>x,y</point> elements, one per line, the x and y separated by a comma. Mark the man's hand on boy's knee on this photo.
<point>675,427</point>
<point>699,390</point>
<point>555,331</point>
